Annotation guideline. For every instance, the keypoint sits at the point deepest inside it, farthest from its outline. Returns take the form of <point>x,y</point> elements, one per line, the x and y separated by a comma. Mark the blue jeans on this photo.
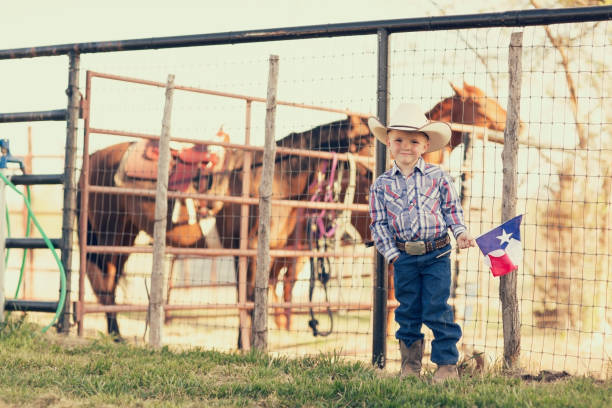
<point>422,288</point>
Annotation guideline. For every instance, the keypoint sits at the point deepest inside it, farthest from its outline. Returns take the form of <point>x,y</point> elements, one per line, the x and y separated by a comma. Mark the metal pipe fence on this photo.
<point>244,201</point>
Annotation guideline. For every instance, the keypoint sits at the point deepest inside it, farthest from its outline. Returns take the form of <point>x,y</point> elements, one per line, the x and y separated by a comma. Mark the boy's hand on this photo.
<point>465,240</point>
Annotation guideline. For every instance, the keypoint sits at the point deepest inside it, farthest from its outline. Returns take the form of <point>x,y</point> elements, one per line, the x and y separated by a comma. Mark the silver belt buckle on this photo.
<point>414,248</point>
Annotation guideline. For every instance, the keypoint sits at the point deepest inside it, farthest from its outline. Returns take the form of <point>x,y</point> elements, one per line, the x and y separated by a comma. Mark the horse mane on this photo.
<point>345,135</point>
<point>469,105</point>
<point>328,137</point>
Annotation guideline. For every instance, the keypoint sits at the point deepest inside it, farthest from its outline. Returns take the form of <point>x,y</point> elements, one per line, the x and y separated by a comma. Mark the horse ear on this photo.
<point>223,135</point>
<point>458,91</point>
<point>473,91</point>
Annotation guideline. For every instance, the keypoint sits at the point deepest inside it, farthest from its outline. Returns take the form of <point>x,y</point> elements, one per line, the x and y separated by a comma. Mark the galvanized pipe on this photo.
<point>32,243</point>
<point>379,312</point>
<point>19,305</point>
<point>366,161</point>
<point>224,252</point>
<point>220,93</point>
<point>314,205</point>
<point>36,179</point>
<point>513,18</point>
<point>37,116</point>
<point>97,308</point>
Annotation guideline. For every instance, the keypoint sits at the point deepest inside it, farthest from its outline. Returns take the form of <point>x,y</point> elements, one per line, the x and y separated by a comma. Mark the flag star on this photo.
<point>504,237</point>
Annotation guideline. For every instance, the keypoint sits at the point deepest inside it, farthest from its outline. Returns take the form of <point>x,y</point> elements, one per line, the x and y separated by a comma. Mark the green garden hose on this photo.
<point>8,235</point>
<point>60,305</point>
<point>25,250</point>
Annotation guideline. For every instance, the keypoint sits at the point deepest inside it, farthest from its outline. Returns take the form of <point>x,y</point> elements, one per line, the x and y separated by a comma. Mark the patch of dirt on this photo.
<point>547,376</point>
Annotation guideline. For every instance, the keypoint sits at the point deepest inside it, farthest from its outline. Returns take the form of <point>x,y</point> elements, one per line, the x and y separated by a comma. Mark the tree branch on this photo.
<point>556,42</point>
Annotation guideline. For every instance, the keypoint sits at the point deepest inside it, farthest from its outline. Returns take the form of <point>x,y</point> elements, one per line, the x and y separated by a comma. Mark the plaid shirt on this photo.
<point>416,208</point>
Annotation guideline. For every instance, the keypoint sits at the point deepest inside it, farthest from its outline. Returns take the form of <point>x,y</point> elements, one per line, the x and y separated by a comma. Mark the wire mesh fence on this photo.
<point>313,171</point>
<point>563,187</point>
<point>460,76</point>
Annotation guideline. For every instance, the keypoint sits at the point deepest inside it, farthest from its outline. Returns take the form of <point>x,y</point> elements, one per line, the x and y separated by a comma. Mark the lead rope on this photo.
<point>328,198</point>
<point>317,272</point>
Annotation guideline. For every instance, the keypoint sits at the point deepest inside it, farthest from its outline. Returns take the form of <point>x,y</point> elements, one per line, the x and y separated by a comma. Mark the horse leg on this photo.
<point>277,266</point>
<point>282,316</point>
<point>294,267</point>
<point>104,284</point>
<point>104,270</point>
<point>250,297</point>
<point>285,316</point>
<point>112,326</point>
<point>237,270</point>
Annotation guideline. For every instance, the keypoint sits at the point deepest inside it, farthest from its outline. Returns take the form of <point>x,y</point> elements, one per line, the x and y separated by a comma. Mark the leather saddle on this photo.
<point>141,163</point>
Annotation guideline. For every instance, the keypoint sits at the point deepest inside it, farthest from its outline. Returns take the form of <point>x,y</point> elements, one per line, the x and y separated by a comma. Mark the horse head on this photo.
<point>470,106</point>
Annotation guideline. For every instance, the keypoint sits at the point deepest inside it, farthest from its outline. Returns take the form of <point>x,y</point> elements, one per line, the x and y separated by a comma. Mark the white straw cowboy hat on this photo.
<point>410,117</point>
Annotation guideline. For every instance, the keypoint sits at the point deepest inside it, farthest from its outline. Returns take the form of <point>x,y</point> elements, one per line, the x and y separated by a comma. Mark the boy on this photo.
<point>412,205</point>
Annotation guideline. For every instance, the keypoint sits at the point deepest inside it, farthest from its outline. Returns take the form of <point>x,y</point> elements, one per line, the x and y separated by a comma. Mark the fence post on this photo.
<point>84,215</point>
<point>244,336</point>
<point>379,318</point>
<point>156,302</point>
<point>507,284</point>
<point>3,235</point>
<point>260,311</point>
<point>69,210</point>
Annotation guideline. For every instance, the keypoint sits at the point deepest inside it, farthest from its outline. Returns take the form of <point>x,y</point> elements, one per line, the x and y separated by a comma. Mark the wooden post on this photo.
<point>84,207</point>
<point>156,302</point>
<point>244,337</point>
<point>260,311</point>
<point>507,285</point>
<point>70,190</point>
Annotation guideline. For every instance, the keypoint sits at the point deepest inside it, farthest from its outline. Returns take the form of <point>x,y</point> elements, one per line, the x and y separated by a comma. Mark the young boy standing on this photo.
<point>412,205</point>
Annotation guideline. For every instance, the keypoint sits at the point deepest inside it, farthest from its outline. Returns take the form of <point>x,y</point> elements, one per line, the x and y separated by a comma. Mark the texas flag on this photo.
<point>501,247</point>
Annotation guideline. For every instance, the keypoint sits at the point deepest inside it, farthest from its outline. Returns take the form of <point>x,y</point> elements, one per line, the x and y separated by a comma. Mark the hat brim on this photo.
<point>439,133</point>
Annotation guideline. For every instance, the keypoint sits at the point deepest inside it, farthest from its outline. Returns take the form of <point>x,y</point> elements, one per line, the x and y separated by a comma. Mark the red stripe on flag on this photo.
<point>501,265</point>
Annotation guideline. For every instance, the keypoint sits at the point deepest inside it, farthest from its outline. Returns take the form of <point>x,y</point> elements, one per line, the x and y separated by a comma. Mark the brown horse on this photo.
<point>292,177</point>
<point>469,106</point>
<point>358,180</point>
<point>115,220</point>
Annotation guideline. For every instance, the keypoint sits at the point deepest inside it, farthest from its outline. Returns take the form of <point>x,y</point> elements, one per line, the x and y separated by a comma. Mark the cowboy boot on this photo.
<point>411,358</point>
<point>445,372</point>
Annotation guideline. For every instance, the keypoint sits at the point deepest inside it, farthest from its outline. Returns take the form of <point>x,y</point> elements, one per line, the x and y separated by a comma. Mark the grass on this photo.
<point>51,370</point>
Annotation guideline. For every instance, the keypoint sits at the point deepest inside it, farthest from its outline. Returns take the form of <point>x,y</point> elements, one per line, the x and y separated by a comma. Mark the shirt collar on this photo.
<point>420,165</point>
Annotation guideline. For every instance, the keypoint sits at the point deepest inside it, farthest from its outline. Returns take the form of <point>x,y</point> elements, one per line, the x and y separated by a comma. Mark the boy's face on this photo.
<point>406,147</point>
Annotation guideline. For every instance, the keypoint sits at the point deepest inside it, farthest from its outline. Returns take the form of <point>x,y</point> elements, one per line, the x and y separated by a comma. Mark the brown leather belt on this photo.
<point>423,247</point>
